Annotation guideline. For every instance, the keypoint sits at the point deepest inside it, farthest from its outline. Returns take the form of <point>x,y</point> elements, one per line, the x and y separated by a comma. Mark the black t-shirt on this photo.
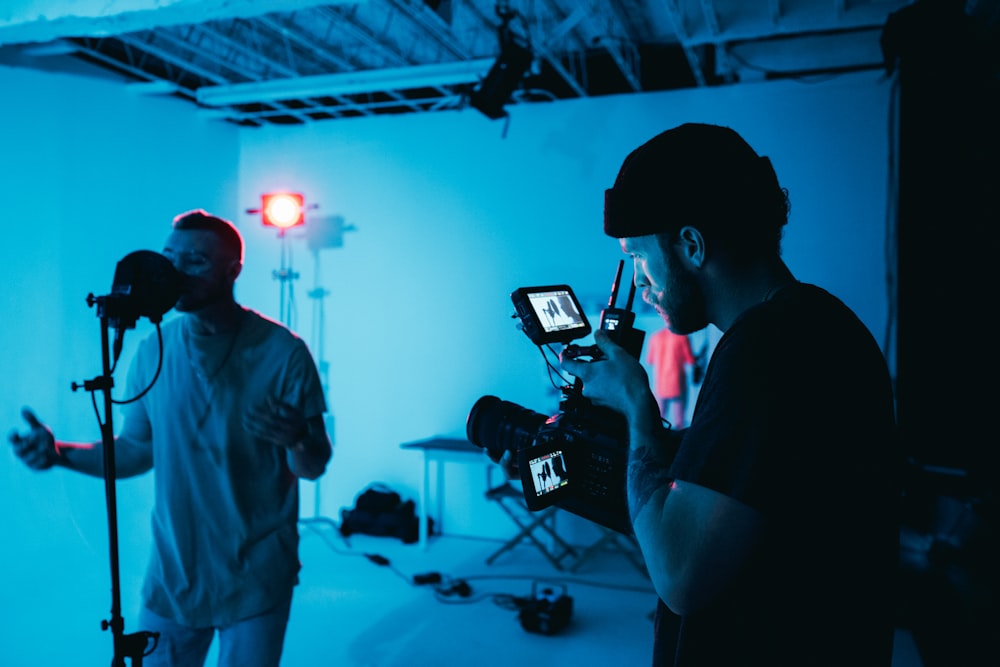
<point>796,419</point>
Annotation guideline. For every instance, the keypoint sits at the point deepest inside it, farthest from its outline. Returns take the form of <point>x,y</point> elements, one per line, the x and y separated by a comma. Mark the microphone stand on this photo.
<point>125,646</point>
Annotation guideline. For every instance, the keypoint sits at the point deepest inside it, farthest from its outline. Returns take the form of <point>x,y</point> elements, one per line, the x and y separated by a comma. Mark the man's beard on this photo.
<point>196,297</point>
<point>683,302</point>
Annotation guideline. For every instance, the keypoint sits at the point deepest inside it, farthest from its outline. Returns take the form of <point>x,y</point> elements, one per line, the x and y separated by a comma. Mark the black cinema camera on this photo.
<point>575,459</point>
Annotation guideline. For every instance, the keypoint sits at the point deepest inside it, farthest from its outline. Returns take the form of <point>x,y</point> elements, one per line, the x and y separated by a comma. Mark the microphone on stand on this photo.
<point>145,284</point>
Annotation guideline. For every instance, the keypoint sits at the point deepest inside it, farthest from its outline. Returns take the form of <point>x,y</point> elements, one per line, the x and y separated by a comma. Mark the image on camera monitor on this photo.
<point>556,310</point>
<point>548,472</point>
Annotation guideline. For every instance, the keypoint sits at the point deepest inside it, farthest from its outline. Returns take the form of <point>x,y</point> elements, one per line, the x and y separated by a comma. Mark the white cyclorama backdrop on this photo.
<point>89,172</point>
<point>450,217</point>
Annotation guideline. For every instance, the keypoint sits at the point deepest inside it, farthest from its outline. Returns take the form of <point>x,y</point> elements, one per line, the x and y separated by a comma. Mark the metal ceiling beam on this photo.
<point>177,60</point>
<point>45,20</point>
<point>711,17</point>
<point>289,32</point>
<point>723,66</point>
<point>775,11</point>
<point>676,16</point>
<point>243,116</point>
<point>623,51</point>
<point>167,56</point>
<point>431,24</point>
<point>247,52</point>
<point>346,83</point>
<point>549,54</point>
<point>362,34</point>
<point>269,62</point>
<point>83,45</point>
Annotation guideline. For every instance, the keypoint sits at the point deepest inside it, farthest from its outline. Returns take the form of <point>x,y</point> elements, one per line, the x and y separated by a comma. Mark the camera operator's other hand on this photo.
<point>615,379</point>
<point>508,463</point>
<point>37,446</point>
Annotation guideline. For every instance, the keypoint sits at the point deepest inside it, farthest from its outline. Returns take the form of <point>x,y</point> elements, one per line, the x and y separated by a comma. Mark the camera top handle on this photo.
<point>617,322</point>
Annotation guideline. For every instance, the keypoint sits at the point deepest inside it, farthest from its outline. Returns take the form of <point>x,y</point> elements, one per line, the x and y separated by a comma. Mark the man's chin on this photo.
<point>183,306</point>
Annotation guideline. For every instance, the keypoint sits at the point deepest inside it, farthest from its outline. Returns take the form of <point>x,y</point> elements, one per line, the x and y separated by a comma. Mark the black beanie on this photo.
<point>695,173</point>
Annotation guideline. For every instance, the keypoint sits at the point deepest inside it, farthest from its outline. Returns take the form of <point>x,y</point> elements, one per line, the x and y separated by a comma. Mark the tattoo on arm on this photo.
<point>645,476</point>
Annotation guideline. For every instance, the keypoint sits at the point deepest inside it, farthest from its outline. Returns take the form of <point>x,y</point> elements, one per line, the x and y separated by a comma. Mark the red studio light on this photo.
<point>282,209</point>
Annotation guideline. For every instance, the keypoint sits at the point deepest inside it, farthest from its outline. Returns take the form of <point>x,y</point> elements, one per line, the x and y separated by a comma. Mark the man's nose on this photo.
<point>183,266</point>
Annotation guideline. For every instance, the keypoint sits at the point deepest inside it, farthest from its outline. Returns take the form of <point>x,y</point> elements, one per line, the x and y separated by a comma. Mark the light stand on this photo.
<point>287,277</point>
<point>286,210</point>
<point>323,232</point>
<point>318,294</point>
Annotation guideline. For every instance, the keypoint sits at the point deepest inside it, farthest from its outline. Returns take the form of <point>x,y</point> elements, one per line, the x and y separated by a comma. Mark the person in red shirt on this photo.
<point>670,356</point>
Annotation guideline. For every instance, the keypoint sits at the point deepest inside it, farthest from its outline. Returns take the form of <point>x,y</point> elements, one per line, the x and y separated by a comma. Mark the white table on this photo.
<point>439,450</point>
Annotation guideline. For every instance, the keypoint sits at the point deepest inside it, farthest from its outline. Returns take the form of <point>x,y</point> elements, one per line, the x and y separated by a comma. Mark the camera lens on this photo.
<point>498,426</point>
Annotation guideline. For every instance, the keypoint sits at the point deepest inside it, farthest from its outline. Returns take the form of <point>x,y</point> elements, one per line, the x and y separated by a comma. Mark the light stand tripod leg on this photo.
<point>318,294</point>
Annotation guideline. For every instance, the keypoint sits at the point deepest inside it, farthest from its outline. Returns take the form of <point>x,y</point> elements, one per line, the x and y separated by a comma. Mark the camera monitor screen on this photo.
<point>548,472</point>
<point>550,314</point>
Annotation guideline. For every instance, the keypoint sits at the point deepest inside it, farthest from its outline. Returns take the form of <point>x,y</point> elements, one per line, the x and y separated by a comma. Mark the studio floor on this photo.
<point>357,606</point>
<point>351,612</point>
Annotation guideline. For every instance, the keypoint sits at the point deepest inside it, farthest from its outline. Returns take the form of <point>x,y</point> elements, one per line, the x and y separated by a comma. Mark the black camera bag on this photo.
<point>381,511</point>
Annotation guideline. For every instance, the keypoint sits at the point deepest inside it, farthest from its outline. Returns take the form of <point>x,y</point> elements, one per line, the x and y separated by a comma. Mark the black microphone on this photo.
<point>145,284</point>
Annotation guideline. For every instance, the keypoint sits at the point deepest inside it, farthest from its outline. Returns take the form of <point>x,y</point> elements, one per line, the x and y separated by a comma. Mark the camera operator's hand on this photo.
<point>618,381</point>
<point>508,463</point>
<point>36,447</point>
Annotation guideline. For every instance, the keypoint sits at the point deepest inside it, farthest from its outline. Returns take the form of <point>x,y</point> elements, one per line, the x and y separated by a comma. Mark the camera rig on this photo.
<point>577,458</point>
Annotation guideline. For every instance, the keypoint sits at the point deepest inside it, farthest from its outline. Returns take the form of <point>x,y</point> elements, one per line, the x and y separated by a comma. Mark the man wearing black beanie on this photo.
<point>769,527</point>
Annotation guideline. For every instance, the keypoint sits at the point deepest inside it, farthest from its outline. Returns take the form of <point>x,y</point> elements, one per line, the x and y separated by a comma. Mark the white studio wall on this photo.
<point>89,172</point>
<point>451,216</point>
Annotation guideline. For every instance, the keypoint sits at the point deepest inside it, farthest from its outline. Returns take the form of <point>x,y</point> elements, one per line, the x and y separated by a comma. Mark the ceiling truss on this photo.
<point>311,61</point>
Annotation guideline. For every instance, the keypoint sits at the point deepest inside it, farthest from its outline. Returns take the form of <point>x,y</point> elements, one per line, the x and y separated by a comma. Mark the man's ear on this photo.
<point>691,246</point>
<point>234,269</point>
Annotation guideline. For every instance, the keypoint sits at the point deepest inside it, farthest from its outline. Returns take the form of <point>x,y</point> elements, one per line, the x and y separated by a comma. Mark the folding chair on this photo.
<point>511,501</point>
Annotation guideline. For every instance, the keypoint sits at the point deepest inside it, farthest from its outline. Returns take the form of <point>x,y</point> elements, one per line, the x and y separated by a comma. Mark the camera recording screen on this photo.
<point>556,310</point>
<point>548,472</point>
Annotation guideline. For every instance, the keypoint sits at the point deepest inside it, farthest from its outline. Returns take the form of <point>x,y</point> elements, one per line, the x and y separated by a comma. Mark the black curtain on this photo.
<point>948,260</point>
<point>948,220</point>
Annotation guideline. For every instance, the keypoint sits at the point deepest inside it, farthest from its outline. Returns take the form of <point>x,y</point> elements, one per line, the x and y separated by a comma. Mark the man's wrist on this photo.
<point>59,451</point>
<point>644,420</point>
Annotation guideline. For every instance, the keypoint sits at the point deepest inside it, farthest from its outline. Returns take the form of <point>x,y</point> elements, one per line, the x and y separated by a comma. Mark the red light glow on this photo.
<point>282,209</point>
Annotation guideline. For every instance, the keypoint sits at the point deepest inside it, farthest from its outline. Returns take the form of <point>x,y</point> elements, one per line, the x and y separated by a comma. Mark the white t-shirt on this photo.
<point>226,505</point>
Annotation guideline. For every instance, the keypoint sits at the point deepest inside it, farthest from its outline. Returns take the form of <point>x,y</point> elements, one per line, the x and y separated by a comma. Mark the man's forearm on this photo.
<point>88,458</point>
<point>646,475</point>
<point>650,456</point>
<point>648,486</point>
